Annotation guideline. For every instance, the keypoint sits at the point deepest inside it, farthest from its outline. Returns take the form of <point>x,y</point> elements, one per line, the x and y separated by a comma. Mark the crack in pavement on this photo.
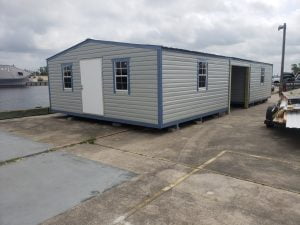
<point>89,140</point>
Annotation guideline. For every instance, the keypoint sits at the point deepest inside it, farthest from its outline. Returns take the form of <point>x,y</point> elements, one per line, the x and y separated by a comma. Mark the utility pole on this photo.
<point>282,56</point>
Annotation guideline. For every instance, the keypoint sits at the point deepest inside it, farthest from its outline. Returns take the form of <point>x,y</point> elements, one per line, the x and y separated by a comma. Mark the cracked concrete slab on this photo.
<point>125,160</point>
<point>58,129</point>
<point>158,158</point>
<point>107,207</point>
<point>40,187</point>
<point>13,146</point>
<point>280,174</point>
<point>212,199</point>
<point>187,146</point>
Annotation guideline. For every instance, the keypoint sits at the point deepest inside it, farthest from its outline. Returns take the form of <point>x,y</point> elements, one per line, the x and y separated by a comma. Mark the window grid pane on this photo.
<point>67,76</point>
<point>262,75</point>
<point>121,75</point>
<point>202,74</point>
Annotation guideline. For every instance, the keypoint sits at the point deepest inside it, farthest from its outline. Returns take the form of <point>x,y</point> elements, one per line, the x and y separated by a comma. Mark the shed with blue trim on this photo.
<point>151,85</point>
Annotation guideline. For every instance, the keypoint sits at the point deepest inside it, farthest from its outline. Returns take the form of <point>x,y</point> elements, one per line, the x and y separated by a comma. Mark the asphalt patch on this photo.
<point>12,146</point>
<point>40,187</point>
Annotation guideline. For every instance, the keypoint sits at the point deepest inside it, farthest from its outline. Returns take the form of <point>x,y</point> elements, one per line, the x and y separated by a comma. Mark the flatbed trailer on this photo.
<point>286,112</point>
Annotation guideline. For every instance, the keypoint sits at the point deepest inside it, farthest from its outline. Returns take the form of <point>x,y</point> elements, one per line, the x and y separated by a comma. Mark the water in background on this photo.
<point>23,98</point>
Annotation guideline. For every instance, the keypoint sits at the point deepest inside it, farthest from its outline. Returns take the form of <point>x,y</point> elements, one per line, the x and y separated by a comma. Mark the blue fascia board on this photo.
<point>197,53</point>
<point>104,118</point>
<point>104,42</point>
<point>153,47</point>
<point>159,88</point>
<point>68,49</point>
<point>49,85</point>
<point>250,61</point>
<point>176,122</point>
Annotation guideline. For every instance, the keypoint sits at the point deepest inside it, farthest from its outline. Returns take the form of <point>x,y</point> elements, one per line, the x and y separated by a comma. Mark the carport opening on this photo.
<point>239,93</point>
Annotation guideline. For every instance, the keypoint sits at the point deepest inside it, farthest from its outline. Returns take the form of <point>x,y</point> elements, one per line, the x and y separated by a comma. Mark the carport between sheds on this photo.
<point>240,85</point>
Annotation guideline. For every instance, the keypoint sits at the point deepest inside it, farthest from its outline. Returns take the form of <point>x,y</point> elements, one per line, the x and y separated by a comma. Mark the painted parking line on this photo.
<point>121,219</point>
<point>279,174</point>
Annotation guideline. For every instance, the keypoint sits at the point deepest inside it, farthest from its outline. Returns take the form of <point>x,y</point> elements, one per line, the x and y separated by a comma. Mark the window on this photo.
<point>121,74</point>
<point>262,75</point>
<point>67,76</point>
<point>202,75</point>
<point>20,73</point>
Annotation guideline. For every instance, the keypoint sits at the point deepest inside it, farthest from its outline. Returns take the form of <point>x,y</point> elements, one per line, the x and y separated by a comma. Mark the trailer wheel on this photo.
<point>269,116</point>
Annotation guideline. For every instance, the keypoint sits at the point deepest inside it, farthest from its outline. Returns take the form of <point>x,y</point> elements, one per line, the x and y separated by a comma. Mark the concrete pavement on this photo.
<point>227,170</point>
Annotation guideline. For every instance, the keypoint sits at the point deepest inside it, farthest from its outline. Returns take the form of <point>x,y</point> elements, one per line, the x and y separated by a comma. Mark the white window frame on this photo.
<point>115,68</point>
<point>202,71</point>
<point>262,75</point>
<point>65,70</point>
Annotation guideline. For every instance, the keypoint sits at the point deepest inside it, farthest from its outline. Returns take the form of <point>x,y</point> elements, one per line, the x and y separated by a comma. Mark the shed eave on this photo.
<point>89,40</point>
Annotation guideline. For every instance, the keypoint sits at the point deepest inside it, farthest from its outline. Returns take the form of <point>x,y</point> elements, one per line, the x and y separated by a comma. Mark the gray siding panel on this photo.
<point>180,96</point>
<point>140,105</point>
<point>260,91</point>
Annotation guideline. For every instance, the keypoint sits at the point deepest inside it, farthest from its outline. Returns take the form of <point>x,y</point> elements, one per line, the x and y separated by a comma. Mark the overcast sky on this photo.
<point>32,30</point>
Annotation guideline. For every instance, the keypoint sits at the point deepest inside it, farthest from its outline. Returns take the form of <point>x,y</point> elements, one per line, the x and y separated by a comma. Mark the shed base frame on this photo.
<point>137,123</point>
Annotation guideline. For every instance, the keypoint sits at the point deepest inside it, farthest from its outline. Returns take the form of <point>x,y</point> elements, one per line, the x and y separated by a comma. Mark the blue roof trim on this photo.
<point>104,42</point>
<point>152,47</point>
<point>109,119</point>
<point>49,80</point>
<point>68,49</point>
<point>251,61</point>
<point>159,89</point>
<point>179,50</point>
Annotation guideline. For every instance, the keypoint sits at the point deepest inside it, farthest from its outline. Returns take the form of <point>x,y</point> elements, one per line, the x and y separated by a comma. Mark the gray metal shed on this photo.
<point>151,85</point>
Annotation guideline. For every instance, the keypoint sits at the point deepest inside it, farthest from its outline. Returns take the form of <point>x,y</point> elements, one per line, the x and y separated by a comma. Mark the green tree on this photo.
<point>43,70</point>
<point>296,68</point>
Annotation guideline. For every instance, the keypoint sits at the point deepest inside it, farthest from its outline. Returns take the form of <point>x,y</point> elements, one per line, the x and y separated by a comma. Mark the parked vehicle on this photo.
<point>288,77</point>
<point>276,79</point>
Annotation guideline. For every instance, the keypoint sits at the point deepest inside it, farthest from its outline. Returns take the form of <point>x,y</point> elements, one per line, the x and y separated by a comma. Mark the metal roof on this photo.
<point>153,47</point>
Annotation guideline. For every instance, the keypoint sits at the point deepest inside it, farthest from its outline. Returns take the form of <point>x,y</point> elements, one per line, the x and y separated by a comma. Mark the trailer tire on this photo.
<point>269,116</point>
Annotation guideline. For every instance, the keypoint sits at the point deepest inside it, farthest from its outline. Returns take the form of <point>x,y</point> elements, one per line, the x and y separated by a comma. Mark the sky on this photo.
<point>33,30</point>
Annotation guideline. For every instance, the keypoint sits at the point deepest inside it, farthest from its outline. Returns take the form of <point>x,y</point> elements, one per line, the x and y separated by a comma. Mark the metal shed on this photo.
<point>151,85</point>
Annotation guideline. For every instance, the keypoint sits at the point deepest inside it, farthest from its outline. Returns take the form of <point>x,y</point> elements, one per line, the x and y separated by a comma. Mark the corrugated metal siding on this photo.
<point>140,105</point>
<point>180,96</point>
<point>238,76</point>
<point>260,91</point>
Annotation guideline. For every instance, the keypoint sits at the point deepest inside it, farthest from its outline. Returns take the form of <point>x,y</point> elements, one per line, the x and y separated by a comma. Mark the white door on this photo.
<point>92,89</point>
